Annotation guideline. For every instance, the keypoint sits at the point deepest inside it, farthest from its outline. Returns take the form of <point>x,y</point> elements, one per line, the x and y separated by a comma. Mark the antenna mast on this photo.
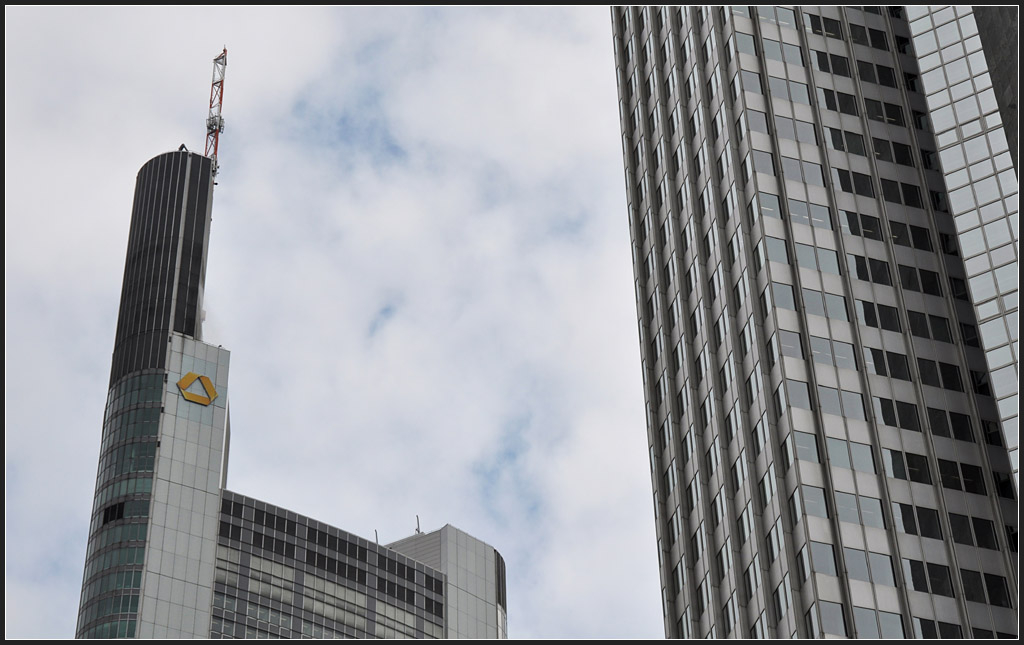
<point>215,122</point>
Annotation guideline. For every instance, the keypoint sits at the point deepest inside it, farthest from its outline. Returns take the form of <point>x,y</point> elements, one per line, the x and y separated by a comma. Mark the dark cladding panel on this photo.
<point>160,247</point>
<point>194,232</point>
<point>499,571</point>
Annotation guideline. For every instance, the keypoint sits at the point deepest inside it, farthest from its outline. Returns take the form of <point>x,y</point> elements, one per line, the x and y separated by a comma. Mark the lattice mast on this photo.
<point>215,122</point>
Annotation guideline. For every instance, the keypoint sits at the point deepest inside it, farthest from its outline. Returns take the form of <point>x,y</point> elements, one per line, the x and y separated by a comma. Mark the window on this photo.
<point>790,344</point>
<point>925,628</point>
<point>782,295</point>
<point>810,214</point>
<point>893,114</point>
<point>871,227</point>
<point>799,395</point>
<point>960,526</point>
<point>974,588</point>
<point>998,593</point>
<point>806,446</point>
<point>973,479</point>
<point>846,507</point>
<point>928,523</point>
<point>814,501</point>
<point>823,558</point>
<point>908,418</point>
<point>985,532</point>
<point>853,182</point>
<point>863,459</point>
<point>884,317</point>
<point>835,306</point>
<point>915,573</point>
<point>929,372</point>
<point>846,141</point>
<point>939,580</point>
<point>857,564</point>
<point>859,35</point>
<point>781,598</point>
<point>751,579</point>
<point>832,619</point>
<point>917,468</point>
<point>833,28</point>
<point>871,512</point>
<point>899,368</point>
<point>828,400</point>
<point>866,71</point>
<point>881,569</point>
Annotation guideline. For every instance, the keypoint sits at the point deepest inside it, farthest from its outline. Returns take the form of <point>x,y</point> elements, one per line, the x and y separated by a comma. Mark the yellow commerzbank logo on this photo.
<point>187,381</point>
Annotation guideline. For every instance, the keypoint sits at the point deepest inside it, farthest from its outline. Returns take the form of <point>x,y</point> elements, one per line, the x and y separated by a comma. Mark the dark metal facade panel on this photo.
<point>166,260</point>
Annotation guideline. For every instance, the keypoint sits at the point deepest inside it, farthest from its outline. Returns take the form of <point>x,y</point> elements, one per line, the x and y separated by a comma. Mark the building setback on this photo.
<point>967,100</point>
<point>171,552</point>
<point>826,452</point>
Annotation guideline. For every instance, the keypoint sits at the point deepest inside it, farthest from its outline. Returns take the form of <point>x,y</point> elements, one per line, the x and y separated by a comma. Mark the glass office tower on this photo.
<point>162,455</point>
<point>826,452</point>
<point>171,553</point>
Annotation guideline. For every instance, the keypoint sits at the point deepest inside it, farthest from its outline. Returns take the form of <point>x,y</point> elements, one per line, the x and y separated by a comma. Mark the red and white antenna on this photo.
<point>215,122</point>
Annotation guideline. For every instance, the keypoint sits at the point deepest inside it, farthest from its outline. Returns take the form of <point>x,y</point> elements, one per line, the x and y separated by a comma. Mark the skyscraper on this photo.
<point>826,452</point>
<point>171,552</point>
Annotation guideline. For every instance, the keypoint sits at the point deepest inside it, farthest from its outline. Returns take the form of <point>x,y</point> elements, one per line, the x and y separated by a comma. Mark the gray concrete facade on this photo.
<point>475,575</point>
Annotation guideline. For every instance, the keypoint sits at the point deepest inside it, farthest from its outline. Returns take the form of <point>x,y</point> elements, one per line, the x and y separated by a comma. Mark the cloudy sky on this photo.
<point>419,261</point>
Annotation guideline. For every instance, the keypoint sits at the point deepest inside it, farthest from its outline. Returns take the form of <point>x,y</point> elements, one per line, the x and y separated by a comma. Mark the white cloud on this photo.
<point>462,167</point>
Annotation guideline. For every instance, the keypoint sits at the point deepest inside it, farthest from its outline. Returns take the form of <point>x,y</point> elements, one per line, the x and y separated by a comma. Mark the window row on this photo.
<point>884,150</point>
<point>898,414</point>
<point>906,466</point>
<point>853,182</point>
<point>808,256</point>
<point>978,587</point>
<point>877,624</point>
<point>841,453</point>
<point>785,127</point>
<point>773,49</point>
<point>877,361</point>
<point>901,193</point>
<point>939,374</point>
<point>823,350</point>
<point>815,302</point>
<point>928,577</point>
<point>824,26</point>
<point>869,37</point>
<point>917,520</point>
<point>842,403</point>
<point>880,74</point>
<point>932,327</point>
<point>860,565</point>
<point>800,212</point>
<point>920,280</point>
<point>926,628</point>
<point>973,531</point>
<point>780,88</point>
<point>869,269</point>
<point>856,509</point>
<point>878,316</point>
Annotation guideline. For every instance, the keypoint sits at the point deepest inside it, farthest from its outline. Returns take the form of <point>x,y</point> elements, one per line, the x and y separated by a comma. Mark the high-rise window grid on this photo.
<point>734,47</point>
